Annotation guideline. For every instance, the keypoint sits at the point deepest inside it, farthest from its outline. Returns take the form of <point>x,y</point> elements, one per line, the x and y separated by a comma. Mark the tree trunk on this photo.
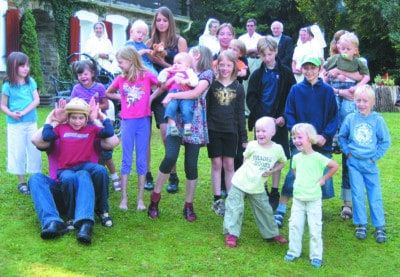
<point>386,98</point>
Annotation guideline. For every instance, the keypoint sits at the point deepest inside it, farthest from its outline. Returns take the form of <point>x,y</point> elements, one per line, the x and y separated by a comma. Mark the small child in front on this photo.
<point>364,139</point>
<point>308,166</point>
<point>179,77</point>
<point>262,158</point>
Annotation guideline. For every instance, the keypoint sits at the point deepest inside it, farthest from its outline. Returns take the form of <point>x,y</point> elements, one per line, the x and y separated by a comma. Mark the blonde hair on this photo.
<point>139,24</point>
<point>365,89</point>
<point>185,57</point>
<point>268,122</point>
<point>265,43</point>
<point>351,38</point>
<point>307,129</point>
<point>229,55</point>
<point>240,45</point>
<point>137,68</point>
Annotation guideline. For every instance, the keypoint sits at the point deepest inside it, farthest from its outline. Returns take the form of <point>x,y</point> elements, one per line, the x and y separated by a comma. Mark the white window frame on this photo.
<point>3,36</point>
<point>119,25</point>
<point>86,21</point>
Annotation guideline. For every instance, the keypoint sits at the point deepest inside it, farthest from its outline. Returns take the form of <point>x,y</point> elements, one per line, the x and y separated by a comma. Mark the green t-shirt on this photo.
<point>258,159</point>
<point>354,65</point>
<point>309,169</point>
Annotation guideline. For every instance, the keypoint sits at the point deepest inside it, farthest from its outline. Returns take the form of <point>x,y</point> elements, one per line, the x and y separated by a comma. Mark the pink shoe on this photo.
<point>230,240</point>
<point>153,212</point>
<point>189,214</point>
<point>279,239</point>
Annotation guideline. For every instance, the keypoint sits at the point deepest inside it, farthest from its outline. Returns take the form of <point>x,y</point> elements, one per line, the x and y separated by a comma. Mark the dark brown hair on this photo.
<point>15,60</point>
<point>172,37</point>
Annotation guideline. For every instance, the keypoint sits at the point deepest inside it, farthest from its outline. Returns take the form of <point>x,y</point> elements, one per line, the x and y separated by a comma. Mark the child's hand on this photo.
<point>242,72</point>
<point>321,181</point>
<point>144,51</point>
<point>244,144</point>
<point>167,99</point>
<point>267,173</point>
<point>94,110</point>
<point>15,115</point>
<point>280,121</point>
<point>321,140</point>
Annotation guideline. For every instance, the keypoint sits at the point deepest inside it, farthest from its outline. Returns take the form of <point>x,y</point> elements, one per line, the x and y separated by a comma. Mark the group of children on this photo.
<point>363,135</point>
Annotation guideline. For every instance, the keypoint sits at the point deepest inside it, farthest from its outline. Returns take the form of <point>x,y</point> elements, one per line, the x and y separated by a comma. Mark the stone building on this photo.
<point>118,16</point>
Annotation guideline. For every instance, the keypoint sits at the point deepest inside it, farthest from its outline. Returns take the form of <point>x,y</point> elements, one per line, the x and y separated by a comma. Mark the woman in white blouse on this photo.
<point>209,37</point>
<point>99,47</point>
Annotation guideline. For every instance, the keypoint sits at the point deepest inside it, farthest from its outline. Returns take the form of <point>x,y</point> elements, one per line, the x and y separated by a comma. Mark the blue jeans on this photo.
<point>51,198</point>
<point>364,174</point>
<point>98,180</point>
<point>287,189</point>
<point>184,105</point>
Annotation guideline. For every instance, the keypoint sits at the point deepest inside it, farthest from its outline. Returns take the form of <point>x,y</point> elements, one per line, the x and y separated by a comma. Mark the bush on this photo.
<point>30,46</point>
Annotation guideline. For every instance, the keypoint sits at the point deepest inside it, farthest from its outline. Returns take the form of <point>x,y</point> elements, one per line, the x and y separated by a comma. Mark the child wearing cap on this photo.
<point>76,143</point>
<point>310,101</point>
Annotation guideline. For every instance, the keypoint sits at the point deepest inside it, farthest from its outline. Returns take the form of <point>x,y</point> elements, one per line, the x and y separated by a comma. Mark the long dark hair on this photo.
<point>172,37</point>
<point>15,60</point>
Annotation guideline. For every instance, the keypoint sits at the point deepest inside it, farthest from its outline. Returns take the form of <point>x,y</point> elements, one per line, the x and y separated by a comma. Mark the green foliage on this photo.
<point>383,81</point>
<point>30,46</point>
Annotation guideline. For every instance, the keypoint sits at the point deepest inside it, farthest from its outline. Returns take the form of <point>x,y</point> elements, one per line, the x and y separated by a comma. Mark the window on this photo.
<point>3,10</point>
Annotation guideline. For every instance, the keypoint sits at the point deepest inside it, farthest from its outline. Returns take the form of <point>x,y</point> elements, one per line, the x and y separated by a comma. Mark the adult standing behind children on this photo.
<point>100,47</point>
<point>202,66</point>
<point>311,101</point>
<point>19,100</point>
<point>163,31</point>
<point>209,37</point>
<point>285,43</point>
<point>268,89</point>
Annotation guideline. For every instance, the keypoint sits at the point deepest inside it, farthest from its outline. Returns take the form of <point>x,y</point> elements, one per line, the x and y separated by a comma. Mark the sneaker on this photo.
<point>289,258</point>
<point>380,235</point>
<point>279,239</point>
<point>189,214</point>
<point>173,131</point>
<point>24,189</point>
<point>361,232</point>
<point>219,207</point>
<point>316,263</point>
<point>116,184</point>
<point>105,220</point>
<point>173,186</point>
<point>230,240</point>
<point>346,213</point>
<point>279,219</point>
<point>149,184</point>
<point>187,132</point>
<point>152,211</point>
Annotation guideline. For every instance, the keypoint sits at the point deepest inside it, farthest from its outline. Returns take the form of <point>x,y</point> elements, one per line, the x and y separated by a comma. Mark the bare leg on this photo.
<point>123,205</point>
<point>229,168</point>
<point>21,179</point>
<point>190,189</point>
<point>140,202</point>
<point>161,178</point>
<point>216,166</point>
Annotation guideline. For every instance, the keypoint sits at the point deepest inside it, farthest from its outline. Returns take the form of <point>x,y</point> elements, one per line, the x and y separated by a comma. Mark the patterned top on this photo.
<point>199,122</point>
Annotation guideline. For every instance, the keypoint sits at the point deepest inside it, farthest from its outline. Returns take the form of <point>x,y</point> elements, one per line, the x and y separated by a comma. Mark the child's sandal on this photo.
<point>24,189</point>
<point>361,232</point>
<point>346,213</point>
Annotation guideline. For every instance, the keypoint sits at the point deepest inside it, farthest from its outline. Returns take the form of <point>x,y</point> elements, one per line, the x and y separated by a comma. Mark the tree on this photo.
<point>30,46</point>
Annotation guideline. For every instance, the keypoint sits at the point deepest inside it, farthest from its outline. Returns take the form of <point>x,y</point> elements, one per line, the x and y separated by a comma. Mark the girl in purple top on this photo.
<point>85,73</point>
<point>134,86</point>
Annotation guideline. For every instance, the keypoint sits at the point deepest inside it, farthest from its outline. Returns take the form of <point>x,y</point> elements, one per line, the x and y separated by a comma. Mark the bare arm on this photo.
<point>333,167</point>
<point>6,110</point>
<point>182,45</point>
<point>276,169</point>
<point>33,104</point>
<point>111,93</point>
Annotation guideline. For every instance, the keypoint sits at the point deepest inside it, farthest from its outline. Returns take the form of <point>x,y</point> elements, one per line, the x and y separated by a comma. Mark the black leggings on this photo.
<point>172,146</point>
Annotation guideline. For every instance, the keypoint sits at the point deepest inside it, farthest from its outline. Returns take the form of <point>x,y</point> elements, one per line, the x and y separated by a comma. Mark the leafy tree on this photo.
<point>30,46</point>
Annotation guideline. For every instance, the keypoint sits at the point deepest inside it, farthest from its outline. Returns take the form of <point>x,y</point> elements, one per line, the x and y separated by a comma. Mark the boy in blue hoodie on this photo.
<point>310,101</point>
<point>364,138</point>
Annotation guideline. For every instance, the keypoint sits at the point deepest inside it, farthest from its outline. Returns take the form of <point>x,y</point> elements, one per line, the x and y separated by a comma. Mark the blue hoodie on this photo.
<point>314,104</point>
<point>365,137</point>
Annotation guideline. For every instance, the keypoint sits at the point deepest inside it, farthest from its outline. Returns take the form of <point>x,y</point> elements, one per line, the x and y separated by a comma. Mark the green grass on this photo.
<point>137,245</point>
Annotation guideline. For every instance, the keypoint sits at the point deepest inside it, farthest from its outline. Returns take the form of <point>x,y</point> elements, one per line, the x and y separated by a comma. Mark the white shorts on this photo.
<point>23,157</point>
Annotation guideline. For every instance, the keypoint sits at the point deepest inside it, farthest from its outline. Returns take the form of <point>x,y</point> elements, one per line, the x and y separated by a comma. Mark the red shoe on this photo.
<point>230,241</point>
<point>189,214</point>
<point>153,212</point>
<point>279,239</point>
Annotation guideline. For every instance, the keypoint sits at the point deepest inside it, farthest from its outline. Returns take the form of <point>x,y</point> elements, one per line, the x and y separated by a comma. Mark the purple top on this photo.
<point>97,90</point>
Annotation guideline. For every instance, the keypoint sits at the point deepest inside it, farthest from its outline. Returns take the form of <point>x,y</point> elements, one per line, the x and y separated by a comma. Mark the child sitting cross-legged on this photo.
<point>262,158</point>
<point>308,167</point>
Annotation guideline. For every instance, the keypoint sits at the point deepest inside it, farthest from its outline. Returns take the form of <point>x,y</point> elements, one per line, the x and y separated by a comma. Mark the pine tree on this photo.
<point>30,46</point>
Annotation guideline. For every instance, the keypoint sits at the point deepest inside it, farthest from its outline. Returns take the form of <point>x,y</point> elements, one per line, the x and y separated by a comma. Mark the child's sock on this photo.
<point>281,208</point>
<point>114,176</point>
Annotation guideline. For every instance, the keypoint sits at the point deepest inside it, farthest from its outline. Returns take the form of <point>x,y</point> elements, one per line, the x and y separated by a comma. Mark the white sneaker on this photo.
<point>219,207</point>
<point>116,184</point>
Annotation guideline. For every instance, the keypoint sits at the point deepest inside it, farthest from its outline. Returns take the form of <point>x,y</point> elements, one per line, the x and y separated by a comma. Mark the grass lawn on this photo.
<point>137,245</point>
